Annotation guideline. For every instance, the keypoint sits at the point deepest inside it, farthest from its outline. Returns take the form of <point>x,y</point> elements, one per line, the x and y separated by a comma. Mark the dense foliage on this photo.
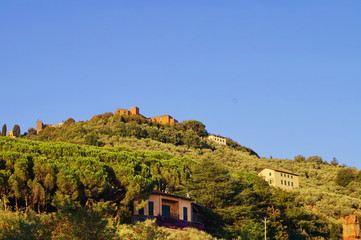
<point>108,130</point>
<point>44,176</point>
<point>61,177</point>
<point>127,157</point>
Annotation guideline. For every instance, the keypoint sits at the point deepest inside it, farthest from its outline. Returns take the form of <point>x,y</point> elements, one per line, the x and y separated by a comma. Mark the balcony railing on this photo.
<point>177,223</point>
<point>170,222</point>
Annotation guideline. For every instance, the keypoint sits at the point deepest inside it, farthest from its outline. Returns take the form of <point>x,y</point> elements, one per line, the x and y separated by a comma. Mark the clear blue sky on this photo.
<point>280,77</point>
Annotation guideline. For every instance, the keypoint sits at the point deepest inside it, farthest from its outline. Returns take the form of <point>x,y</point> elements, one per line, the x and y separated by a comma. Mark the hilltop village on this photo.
<point>174,173</point>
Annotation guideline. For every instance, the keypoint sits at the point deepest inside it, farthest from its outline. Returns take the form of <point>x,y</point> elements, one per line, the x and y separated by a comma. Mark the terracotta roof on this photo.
<point>170,195</point>
<point>277,170</point>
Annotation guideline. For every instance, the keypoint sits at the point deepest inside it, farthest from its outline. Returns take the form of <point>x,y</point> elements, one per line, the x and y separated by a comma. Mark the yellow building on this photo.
<point>218,139</point>
<point>10,133</point>
<point>165,205</point>
<point>279,178</point>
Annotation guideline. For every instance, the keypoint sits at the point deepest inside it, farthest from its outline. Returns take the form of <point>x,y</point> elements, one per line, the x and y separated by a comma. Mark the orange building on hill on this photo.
<point>165,119</point>
<point>351,228</point>
<point>133,111</point>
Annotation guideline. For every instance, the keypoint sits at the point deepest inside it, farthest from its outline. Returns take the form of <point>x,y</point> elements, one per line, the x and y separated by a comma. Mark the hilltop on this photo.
<point>178,158</point>
<point>109,129</point>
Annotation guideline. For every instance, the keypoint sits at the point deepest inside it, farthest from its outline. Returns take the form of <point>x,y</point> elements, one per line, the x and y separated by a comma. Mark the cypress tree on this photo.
<point>16,130</point>
<point>4,130</point>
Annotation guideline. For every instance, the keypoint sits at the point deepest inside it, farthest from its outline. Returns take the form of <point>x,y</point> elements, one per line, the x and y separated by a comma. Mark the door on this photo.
<point>166,211</point>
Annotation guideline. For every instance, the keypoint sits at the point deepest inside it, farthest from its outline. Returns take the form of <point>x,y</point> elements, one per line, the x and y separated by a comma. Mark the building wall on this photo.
<point>176,206</point>
<point>39,126</point>
<point>165,119</point>
<point>217,139</point>
<point>134,111</point>
<point>351,228</point>
<point>283,180</point>
<point>122,112</point>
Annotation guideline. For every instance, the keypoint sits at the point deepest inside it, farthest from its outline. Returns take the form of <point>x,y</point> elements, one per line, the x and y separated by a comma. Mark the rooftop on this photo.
<point>277,170</point>
<point>170,195</point>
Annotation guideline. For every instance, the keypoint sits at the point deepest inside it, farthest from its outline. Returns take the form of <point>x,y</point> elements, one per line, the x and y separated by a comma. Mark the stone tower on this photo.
<point>39,126</point>
<point>134,111</point>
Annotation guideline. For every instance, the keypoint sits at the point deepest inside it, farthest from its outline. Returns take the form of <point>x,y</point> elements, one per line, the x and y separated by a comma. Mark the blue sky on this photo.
<point>280,77</point>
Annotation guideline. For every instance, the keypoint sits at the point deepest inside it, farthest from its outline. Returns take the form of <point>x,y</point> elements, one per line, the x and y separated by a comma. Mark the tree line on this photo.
<point>103,130</point>
<point>16,130</point>
<point>44,176</point>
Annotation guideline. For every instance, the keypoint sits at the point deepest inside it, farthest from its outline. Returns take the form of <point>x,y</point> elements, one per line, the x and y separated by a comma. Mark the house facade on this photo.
<point>218,139</point>
<point>165,205</point>
<point>10,133</point>
<point>279,178</point>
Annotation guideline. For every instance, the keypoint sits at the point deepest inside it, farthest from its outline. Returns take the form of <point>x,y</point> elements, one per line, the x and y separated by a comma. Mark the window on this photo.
<point>291,176</point>
<point>281,181</point>
<point>270,181</point>
<point>141,211</point>
<point>270,174</point>
<point>185,213</point>
<point>288,183</point>
<point>151,208</point>
<point>292,184</point>
<point>281,174</point>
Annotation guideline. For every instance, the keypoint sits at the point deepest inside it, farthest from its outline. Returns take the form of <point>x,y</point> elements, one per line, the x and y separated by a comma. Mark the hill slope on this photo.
<point>108,130</point>
<point>222,178</point>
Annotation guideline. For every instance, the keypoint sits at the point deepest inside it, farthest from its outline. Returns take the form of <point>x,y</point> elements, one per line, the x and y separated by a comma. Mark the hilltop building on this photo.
<point>168,206</point>
<point>279,178</point>
<point>134,111</point>
<point>217,139</point>
<point>165,119</point>
<point>10,133</point>
<point>351,228</point>
<point>40,126</point>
